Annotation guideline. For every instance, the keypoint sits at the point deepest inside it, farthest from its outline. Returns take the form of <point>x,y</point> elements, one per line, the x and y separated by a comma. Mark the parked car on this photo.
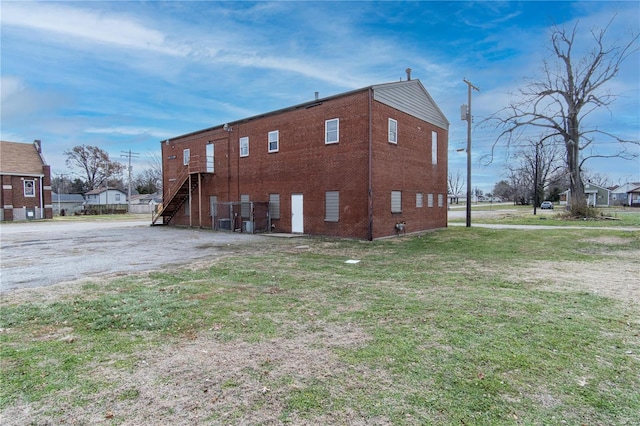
<point>546,205</point>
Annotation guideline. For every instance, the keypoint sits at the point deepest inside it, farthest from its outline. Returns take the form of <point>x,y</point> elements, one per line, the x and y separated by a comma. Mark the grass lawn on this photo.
<point>509,214</point>
<point>463,326</point>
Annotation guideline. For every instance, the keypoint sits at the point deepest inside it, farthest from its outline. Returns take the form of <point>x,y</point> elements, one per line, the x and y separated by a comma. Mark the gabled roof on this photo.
<point>67,198</point>
<point>101,190</point>
<point>408,96</point>
<point>20,159</point>
<point>412,98</point>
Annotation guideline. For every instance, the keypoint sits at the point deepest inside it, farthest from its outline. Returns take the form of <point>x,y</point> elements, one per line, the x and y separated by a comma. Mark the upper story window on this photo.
<point>434,148</point>
<point>186,156</point>
<point>332,131</point>
<point>274,141</point>
<point>244,146</point>
<point>393,131</point>
<point>29,188</point>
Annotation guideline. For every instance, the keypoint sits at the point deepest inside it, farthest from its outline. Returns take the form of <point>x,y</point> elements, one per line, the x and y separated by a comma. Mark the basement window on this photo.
<point>332,131</point>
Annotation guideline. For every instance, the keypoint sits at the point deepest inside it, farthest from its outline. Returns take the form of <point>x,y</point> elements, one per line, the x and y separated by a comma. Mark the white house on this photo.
<point>623,195</point>
<point>106,197</point>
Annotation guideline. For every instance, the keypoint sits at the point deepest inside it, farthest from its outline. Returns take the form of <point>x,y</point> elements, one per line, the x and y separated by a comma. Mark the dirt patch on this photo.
<point>205,381</point>
<point>617,279</point>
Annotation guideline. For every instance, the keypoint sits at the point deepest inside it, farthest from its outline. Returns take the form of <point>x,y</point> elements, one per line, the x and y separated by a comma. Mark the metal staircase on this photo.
<point>179,191</point>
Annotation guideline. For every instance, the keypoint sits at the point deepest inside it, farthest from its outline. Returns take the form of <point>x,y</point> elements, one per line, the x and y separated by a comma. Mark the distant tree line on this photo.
<point>92,168</point>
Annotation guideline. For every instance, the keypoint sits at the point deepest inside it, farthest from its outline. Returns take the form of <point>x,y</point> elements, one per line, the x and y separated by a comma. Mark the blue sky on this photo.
<point>125,75</point>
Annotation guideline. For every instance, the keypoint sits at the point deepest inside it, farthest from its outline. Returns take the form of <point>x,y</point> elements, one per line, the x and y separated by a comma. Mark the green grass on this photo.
<point>523,215</point>
<point>453,335</point>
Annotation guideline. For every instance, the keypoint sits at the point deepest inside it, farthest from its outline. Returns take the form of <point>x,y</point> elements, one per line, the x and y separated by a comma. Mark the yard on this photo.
<point>459,326</point>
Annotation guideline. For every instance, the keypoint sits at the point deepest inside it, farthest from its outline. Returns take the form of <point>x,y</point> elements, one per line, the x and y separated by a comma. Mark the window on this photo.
<point>434,148</point>
<point>396,201</point>
<point>117,197</point>
<point>393,131</point>
<point>245,206</point>
<point>274,143</point>
<point>429,200</point>
<point>186,156</point>
<point>331,206</point>
<point>440,200</point>
<point>419,199</point>
<point>29,188</point>
<point>274,206</point>
<point>210,157</point>
<point>244,147</point>
<point>332,131</point>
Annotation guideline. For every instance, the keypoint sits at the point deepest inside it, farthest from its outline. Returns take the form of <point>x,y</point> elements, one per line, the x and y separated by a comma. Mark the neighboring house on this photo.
<point>634,197</point>
<point>144,203</point>
<point>596,196</point>
<point>26,182</point>
<point>365,164</point>
<point>67,204</point>
<point>106,199</point>
<point>623,194</point>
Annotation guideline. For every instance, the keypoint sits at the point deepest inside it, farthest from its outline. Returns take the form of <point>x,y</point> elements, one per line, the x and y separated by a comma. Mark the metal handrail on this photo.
<point>194,166</point>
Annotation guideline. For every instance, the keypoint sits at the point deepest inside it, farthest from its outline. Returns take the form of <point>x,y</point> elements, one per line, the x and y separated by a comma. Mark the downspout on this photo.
<point>370,184</point>
<point>41,199</point>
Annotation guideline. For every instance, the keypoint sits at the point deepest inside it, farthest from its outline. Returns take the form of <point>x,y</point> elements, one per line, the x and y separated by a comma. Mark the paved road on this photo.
<point>45,253</point>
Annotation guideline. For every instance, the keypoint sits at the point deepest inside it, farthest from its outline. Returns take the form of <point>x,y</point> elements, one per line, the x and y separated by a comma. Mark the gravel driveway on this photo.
<point>46,253</point>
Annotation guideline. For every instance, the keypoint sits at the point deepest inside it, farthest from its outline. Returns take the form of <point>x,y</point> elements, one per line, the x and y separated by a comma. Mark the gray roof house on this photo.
<point>67,204</point>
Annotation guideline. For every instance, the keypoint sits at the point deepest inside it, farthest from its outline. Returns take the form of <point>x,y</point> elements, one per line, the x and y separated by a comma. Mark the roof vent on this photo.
<point>317,95</point>
<point>408,71</point>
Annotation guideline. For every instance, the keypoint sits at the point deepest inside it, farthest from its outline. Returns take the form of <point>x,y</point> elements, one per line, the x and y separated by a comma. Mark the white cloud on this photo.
<point>88,25</point>
<point>129,131</point>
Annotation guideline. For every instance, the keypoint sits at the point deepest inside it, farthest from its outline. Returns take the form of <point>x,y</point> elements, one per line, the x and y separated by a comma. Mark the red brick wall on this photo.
<point>306,165</point>
<point>407,167</point>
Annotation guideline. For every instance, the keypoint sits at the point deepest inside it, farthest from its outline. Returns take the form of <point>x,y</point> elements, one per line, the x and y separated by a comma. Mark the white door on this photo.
<point>297,217</point>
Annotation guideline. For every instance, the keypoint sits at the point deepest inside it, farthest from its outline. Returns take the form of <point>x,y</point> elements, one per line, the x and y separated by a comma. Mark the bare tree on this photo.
<point>455,183</point>
<point>570,89</point>
<point>599,179</point>
<point>95,163</point>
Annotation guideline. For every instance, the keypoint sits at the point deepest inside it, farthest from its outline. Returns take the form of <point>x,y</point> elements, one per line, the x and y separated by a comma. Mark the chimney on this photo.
<point>317,95</point>
<point>408,71</point>
<point>38,145</point>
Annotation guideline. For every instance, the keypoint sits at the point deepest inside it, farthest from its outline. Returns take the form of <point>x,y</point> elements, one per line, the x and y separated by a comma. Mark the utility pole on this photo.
<point>60,182</point>
<point>466,115</point>
<point>130,155</point>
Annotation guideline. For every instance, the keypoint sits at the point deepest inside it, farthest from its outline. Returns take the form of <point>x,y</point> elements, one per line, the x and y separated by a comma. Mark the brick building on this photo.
<point>366,164</point>
<point>26,182</point>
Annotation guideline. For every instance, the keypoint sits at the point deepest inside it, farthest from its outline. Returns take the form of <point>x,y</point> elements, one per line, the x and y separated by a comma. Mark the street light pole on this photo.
<point>468,118</point>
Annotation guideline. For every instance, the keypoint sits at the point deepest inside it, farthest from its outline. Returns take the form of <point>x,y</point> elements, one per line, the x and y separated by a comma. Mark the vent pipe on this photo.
<point>408,71</point>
